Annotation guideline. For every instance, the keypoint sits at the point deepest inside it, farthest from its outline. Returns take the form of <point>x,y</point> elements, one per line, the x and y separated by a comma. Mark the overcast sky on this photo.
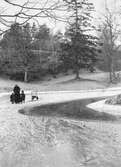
<point>99,7</point>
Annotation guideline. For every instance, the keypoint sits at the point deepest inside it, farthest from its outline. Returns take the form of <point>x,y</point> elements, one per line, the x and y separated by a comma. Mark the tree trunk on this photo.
<point>25,76</point>
<point>77,73</point>
<point>110,76</point>
<point>110,65</point>
<point>112,73</point>
<point>77,26</point>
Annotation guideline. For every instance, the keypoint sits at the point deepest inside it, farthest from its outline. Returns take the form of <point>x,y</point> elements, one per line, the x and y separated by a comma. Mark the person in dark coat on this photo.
<point>16,91</point>
<point>22,96</point>
<point>12,98</point>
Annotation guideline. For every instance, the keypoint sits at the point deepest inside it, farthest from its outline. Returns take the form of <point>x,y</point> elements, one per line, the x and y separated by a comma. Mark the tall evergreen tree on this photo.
<point>83,44</point>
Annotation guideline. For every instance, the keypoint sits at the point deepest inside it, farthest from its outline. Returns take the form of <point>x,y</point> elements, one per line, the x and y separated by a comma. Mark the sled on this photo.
<point>34,95</point>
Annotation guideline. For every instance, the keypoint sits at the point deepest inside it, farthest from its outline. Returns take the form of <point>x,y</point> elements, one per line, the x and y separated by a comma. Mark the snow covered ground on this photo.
<point>107,108</point>
<point>27,141</point>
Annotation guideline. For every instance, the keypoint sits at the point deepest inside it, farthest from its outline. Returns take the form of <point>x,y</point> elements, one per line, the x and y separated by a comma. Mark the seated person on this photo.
<point>17,98</point>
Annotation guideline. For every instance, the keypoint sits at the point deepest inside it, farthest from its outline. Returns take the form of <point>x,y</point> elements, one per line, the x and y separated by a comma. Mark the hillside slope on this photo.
<point>87,81</point>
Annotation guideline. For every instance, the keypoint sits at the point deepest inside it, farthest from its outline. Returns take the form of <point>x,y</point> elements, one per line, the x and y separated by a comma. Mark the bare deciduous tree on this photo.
<point>24,11</point>
<point>110,37</point>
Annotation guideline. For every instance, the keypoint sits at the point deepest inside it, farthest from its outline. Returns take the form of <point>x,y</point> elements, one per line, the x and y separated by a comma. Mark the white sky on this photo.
<point>99,7</point>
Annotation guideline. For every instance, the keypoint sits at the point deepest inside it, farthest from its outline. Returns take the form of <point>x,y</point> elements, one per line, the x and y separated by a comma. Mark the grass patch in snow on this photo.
<point>74,109</point>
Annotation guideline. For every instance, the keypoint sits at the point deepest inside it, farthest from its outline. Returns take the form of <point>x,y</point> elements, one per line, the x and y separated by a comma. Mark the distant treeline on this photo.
<point>31,52</point>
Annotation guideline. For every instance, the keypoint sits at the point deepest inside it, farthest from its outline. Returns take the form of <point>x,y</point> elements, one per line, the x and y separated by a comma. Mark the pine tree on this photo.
<point>83,44</point>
